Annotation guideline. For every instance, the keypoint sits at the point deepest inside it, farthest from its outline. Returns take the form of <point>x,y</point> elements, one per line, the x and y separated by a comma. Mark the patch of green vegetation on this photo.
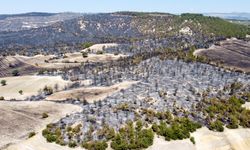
<point>95,145</point>
<point>192,140</point>
<point>54,135</point>
<point>99,52</point>
<point>216,26</point>
<point>15,73</point>
<point>216,126</point>
<point>72,144</point>
<point>87,45</point>
<point>207,26</point>
<point>84,54</point>
<point>20,92</point>
<point>3,82</point>
<point>31,134</point>
<point>41,72</point>
<point>178,129</point>
<point>130,137</point>
<point>45,115</point>
<point>227,112</point>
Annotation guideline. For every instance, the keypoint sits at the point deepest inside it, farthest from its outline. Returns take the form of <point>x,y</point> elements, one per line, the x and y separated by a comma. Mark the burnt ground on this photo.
<point>233,54</point>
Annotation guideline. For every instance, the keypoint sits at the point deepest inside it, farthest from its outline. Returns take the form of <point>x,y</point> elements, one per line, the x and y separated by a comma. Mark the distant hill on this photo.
<point>33,14</point>
<point>18,22</point>
<point>46,31</point>
<point>230,16</point>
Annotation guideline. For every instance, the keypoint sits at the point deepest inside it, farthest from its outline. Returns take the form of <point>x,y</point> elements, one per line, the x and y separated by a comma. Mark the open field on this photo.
<point>69,60</point>
<point>161,144</point>
<point>76,58</point>
<point>30,85</point>
<point>229,139</point>
<point>90,94</point>
<point>232,53</point>
<point>18,119</point>
<point>238,139</point>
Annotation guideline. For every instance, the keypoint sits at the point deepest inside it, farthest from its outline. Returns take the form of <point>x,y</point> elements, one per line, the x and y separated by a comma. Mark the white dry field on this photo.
<point>30,85</point>
<point>76,58</point>
<point>18,119</point>
<point>70,59</point>
<point>230,139</point>
<point>90,94</point>
<point>99,47</point>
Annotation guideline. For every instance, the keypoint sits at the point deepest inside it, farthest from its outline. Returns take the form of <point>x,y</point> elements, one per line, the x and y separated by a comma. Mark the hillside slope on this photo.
<point>121,26</point>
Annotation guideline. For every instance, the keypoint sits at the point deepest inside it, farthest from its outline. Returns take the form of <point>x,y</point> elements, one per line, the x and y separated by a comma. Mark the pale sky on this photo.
<point>93,6</point>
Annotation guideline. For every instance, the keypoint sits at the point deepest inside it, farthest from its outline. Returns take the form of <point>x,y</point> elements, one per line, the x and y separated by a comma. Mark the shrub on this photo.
<point>45,132</point>
<point>50,138</point>
<point>31,134</point>
<point>96,145</point>
<point>15,73</point>
<point>77,128</point>
<point>48,90</point>
<point>84,54</point>
<point>245,118</point>
<point>20,92</point>
<point>155,128</point>
<point>192,140</point>
<point>145,138</point>
<point>3,82</point>
<point>234,123</point>
<point>99,52</point>
<point>1,98</point>
<point>139,125</point>
<point>45,115</point>
<point>216,126</point>
<point>41,72</point>
<point>118,143</point>
<point>72,144</point>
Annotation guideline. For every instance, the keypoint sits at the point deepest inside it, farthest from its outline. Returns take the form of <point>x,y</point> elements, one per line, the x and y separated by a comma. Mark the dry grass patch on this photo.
<point>90,94</point>
<point>30,85</point>
<point>18,119</point>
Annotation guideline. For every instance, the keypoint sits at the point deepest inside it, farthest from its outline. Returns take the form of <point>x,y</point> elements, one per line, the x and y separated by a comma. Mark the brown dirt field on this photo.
<point>18,119</point>
<point>22,67</point>
<point>91,94</point>
<point>232,53</point>
<point>30,85</point>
